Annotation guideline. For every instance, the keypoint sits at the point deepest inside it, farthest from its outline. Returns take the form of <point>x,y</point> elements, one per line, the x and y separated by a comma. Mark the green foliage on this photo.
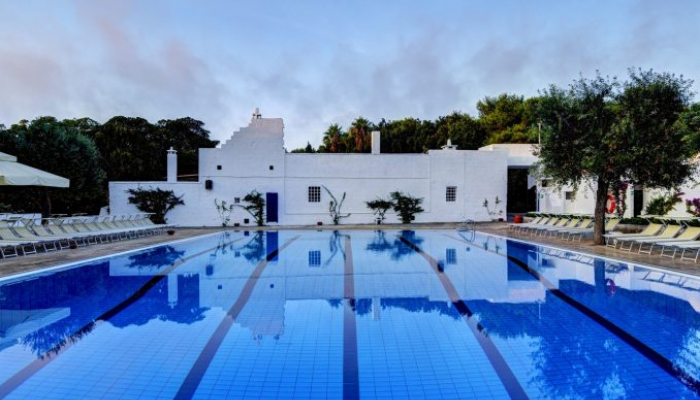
<point>508,119</point>
<point>335,206</point>
<point>608,132</point>
<point>380,207</point>
<point>308,149</point>
<point>255,206</point>
<point>133,149</point>
<point>495,213</point>
<point>689,123</point>
<point>58,147</point>
<point>663,204</point>
<point>156,201</point>
<point>406,206</point>
<point>224,210</point>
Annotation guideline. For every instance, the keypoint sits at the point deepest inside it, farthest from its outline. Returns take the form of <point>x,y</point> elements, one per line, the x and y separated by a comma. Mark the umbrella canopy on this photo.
<point>17,174</point>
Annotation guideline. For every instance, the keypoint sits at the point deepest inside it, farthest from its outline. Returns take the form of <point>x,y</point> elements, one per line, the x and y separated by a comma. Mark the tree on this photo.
<point>380,207</point>
<point>508,118</point>
<point>608,132</point>
<point>332,140</point>
<point>155,201</point>
<point>334,207</point>
<point>308,149</point>
<point>406,206</point>
<point>60,148</point>
<point>255,206</point>
<point>133,149</point>
<point>464,131</point>
<point>689,123</point>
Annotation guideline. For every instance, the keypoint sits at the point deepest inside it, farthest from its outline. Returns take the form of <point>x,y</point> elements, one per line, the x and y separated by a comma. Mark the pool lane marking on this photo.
<point>351,376</point>
<point>505,374</point>
<point>649,353</point>
<point>199,368</point>
<point>35,366</point>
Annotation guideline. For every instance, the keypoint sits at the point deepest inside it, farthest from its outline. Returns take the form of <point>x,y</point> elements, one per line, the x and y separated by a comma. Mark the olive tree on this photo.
<point>606,131</point>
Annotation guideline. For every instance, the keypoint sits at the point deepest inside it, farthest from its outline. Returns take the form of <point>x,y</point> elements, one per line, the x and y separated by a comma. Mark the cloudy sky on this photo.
<point>314,63</point>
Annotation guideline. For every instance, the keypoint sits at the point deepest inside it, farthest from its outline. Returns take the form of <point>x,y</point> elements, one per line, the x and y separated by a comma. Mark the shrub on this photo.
<point>334,207</point>
<point>224,211</point>
<point>155,201</point>
<point>406,206</point>
<point>380,207</point>
<point>255,206</point>
<point>664,204</point>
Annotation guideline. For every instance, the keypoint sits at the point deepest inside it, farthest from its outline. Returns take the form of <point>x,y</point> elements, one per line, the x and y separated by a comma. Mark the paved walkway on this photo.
<point>12,266</point>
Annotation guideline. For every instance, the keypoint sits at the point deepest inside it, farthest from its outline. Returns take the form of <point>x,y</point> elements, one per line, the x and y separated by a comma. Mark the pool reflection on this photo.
<point>402,308</point>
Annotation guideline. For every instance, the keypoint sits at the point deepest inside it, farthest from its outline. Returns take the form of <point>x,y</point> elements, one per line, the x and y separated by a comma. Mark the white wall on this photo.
<point>245,162</point>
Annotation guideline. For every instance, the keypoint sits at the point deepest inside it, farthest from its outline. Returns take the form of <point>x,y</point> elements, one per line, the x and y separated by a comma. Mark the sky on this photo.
<point>315,63</point>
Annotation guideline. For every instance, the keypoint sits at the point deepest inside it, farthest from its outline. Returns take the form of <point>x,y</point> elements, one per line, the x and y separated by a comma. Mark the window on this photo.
<point>218,167</point>
<point>451,256</point>
<point>314,194</point>
<point>314,258</point>
<point>451,193</point>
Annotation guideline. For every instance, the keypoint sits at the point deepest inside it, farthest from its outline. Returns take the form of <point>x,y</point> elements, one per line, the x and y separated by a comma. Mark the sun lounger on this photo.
<point>611,239</point>
<point>688,236</point>
<point>669,232</point>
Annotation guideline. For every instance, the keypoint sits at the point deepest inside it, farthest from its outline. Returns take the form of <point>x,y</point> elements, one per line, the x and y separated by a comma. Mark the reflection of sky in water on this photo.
<point>141,322</point>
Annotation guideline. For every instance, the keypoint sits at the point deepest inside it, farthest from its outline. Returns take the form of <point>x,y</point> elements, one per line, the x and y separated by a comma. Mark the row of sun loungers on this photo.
<point>569,227</point>
<point>668,236</point>
<point>24,236</point>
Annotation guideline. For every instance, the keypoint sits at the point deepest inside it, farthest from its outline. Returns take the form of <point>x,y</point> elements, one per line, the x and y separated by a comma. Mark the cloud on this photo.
<point>317,64</point>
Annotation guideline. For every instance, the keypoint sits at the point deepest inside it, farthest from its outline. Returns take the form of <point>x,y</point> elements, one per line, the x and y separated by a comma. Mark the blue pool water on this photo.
<point>350,314</point>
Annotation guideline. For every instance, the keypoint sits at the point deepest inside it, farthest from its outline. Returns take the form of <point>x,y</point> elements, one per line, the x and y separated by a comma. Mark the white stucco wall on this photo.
<point>254,159</point>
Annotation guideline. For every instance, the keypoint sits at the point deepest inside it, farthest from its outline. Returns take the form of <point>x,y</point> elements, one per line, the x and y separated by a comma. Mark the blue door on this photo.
<point>271,205</point>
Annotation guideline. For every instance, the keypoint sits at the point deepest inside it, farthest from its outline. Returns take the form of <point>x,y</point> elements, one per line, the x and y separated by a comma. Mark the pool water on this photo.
<point>352,315</point>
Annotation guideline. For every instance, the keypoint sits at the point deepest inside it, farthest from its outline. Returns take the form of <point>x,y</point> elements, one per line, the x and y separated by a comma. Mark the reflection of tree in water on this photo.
<point>254,250</point>
<point>90,293</point>
<point>379,244</point>
<point>397,247</point>
<point>335,246</point>
<point>411,304</point>
<point>163,256</point>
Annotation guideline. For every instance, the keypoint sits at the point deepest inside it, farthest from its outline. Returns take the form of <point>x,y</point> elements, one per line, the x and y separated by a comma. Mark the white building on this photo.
<point>453,183</point>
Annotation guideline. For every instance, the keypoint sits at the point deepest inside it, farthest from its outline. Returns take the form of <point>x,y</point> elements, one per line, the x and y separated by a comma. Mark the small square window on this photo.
<point>314,194</point>
<point>451,256</point>
<point>272,167</point>
<point>218,167</point>
<point>314,258</point>
<point>451,193</point>
<point>236,200</point>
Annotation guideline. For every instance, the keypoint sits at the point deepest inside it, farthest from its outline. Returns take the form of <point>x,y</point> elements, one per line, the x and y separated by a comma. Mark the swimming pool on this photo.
<point>350,314</point>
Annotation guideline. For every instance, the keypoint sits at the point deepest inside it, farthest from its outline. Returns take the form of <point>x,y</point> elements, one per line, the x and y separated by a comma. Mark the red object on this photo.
<point>610,205</point>
<point>518,219</point>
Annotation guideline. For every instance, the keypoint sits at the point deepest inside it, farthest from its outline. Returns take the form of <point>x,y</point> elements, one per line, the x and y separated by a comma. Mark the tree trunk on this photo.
<point>601,198</point>
<point>46,204</point>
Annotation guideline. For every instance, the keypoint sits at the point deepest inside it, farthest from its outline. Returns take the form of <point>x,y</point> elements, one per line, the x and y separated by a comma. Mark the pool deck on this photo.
<point>35,262</point>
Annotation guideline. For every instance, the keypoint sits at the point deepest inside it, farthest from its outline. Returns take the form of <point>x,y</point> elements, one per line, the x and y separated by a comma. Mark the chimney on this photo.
<point>376,142</point>
<point>172,165</point>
